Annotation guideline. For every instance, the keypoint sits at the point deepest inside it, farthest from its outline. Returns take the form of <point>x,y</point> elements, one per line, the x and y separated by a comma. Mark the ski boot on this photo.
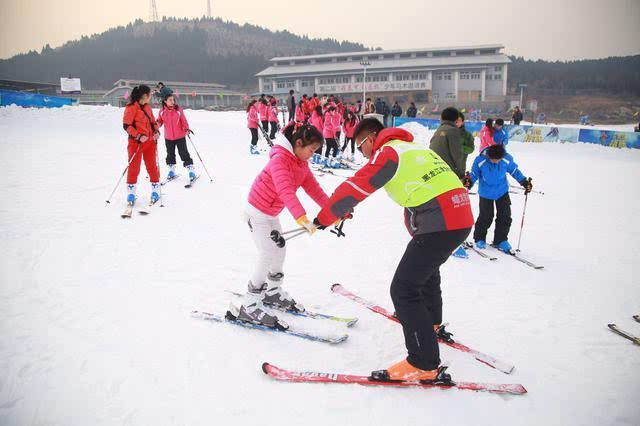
<point>192,172</point>
<point>172,172</point>
<point>155,192</point>
<point>504,246</point>
<point>274,296</point>
<point>405,372</point>
<point>481,244</point>
<point>336,163</point>
<point>254,312</point>
<point>461,253</point>
<point>131,194</point>
<point>443,334</point>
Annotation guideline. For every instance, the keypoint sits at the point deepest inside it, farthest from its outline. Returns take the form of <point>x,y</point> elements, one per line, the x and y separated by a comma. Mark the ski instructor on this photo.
<point>437,214</point>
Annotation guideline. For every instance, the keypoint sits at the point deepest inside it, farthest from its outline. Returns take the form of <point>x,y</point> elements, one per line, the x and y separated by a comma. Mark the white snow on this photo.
<point>94,309</point>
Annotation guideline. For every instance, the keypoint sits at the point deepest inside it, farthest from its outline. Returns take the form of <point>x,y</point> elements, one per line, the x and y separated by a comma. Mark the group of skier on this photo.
<point>329,115</point>
<point>431,184</point>
<point>143,131</point>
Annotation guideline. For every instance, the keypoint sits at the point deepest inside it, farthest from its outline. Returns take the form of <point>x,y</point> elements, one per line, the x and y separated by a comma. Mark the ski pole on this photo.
<point>158,167</point>
<point>281,241</point>
<point>275,234</point>
<point>533,190</point>
<point>196,149</point>
<point>121,176</point>
<point>524,209</point>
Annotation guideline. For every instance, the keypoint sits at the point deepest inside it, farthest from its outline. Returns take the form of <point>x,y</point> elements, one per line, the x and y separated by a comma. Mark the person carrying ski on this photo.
<point>274,189</point>
<point>438,216</point>
<point>490,169</point>
<point>176,128</point>
<point>142,129</point>
<point>252,124</point>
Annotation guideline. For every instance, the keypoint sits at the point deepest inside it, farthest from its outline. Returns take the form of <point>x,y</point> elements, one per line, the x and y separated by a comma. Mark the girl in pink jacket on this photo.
<point>273,118</point>
<point>486,135</point>
<point>176,128</point>
<point>350,123</point>
<point>300,116</point>
<point>263,111</point>
<point>331,126</point>
<point>252,124</point>
<point>274,189</point>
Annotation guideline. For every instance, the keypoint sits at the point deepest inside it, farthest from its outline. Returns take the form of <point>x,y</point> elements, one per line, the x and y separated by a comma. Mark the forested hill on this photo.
<point>204,50</point>
<point>610,76</point>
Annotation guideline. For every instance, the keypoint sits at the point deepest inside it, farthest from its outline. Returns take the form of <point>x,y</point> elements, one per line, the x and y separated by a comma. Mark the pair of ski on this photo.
<point>145,210</point>
<point>314,377</point>
<point>189,185</point>
<point>469,245</point>
<point>626,335</point>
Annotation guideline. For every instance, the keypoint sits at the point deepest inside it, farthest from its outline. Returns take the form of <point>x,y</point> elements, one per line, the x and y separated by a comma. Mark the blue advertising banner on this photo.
<point>538,134</point>
<point>9,97</point>
<point>611,138</point>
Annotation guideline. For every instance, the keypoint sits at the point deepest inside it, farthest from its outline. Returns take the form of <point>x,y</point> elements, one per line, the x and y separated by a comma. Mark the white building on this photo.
<point>469,74</point>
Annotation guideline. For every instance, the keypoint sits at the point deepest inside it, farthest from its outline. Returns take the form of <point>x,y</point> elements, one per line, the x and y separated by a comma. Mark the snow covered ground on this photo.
<point>94,310</point>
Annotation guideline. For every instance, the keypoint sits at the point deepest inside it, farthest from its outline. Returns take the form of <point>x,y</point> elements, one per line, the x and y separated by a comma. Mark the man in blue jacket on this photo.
<point>490,168</point>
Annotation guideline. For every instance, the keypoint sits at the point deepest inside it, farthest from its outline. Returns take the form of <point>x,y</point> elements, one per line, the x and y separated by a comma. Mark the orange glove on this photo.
<point>306,223</point>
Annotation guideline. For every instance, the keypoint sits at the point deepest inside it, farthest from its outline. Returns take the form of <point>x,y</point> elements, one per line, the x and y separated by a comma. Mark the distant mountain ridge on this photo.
<point>204,50</point>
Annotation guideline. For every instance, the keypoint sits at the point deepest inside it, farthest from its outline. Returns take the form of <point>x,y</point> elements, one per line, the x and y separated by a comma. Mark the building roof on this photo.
<point>386,52</point>
<point>150,83</point>
<point>26,84</point>
<point>385,64</point>
<point>204,91</point>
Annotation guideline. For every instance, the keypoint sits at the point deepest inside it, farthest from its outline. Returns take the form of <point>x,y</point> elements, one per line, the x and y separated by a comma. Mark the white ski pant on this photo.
<point>270,257</point>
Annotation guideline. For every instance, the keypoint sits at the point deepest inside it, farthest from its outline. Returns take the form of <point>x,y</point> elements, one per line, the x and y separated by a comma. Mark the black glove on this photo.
<point>527,185</point>
<point>316,222</point>
<point>466,180</point>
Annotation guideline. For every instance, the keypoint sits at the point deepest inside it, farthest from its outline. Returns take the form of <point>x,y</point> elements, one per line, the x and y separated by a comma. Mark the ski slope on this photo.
<point>94,310</point>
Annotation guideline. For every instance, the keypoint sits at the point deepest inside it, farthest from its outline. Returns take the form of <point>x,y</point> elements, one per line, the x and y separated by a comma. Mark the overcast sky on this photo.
<point>547,29</point>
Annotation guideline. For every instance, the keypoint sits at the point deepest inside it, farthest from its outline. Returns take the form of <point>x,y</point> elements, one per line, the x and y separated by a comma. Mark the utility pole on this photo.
<point>364,64</point>
<point>522,86</point>
<point>153,11</point>
<point>208,8</point>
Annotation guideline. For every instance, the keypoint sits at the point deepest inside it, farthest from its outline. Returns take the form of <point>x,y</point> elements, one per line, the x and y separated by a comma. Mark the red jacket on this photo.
<point>175,123</point>
<point>317,121</point>
<point>273,112</point>
<point>448,211</point>
<point>331,125</point>
<point>349,128</point>
<point>276,185</point>
<point>300,117</point>
<point>138,121</point>
<point>263,110</point>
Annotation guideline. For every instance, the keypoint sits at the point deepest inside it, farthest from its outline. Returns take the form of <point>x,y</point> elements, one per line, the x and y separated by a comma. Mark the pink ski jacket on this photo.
<point>486,139</point>
<point>175,123</point>
<point>276,185</point>
<point>331,125</point>
<point>252,117</point>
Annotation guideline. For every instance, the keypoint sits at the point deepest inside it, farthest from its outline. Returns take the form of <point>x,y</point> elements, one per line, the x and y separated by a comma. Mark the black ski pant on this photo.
<point>416,295</point>
<point>503,219</point>
<point>254,136</point>
<point>353,144</point>
<point>182,150</point>
<point>332,146</point>
<point>274,129</point>
<point>265,128</point>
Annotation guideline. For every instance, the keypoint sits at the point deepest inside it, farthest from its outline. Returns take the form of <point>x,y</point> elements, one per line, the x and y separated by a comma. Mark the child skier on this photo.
<point>350,123</point>
<point>500,136</point>
<point>252,124</point>
<point>486,135</point>
<point>331,125</point>
<point>490,168</point>
<point>176,128</point>
<point>142,129</point>
<point>274,188</point>
<point>263,111</point>
<point>317,120</point>
<point>273,118</point>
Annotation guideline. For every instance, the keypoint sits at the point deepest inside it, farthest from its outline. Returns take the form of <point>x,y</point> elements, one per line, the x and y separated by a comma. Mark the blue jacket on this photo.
<point>493,177</point>
<point>501,137</point>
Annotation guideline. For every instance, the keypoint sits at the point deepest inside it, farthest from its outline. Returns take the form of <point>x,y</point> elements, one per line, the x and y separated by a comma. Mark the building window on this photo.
<point>359,79</point>
<point>280,85</point>
<point>307,83</point>
<point>499,69</point>
<point>489,77</point>
<point>291,84</point>
<point>497,76</point>
<point>447,75</point>
<point>475,75</point>
<point>465,76</point>
<point>437,76</point>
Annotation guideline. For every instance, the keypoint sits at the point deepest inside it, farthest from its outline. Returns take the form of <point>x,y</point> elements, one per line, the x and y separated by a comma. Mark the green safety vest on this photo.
<point>421,175</point>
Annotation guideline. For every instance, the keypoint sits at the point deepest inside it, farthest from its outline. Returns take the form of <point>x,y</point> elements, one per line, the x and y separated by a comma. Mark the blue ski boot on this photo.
<point>172,171</point>
<point>481,244</point>
<point>155,196</point>
<point>192,173</point>
<point>253,150</point>
<point>461,253</point>
<point>505,247</point>
<point>131,194</point>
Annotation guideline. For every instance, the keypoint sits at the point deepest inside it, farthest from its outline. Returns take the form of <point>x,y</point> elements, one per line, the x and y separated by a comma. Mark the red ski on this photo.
<point>311,377</point>
<point>484,358</point>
